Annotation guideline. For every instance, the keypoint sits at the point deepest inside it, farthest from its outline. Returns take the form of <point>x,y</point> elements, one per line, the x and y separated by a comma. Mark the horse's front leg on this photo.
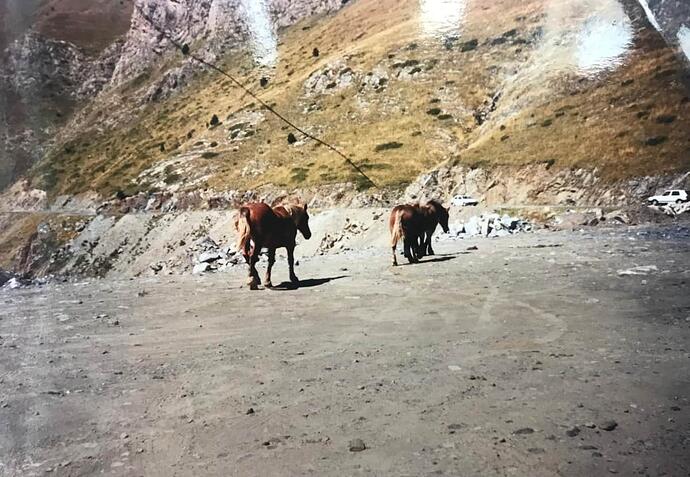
<point>254,280</point>
<point>416,247</point>
<point>429,250</point>
<point>291,263</point>
<point>420,246</point>
<point>271,261</point>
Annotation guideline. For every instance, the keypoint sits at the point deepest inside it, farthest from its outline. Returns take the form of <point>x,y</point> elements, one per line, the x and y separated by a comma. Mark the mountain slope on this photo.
<point>399,86</point>
<point>77,55</point>
<point>509,83</point>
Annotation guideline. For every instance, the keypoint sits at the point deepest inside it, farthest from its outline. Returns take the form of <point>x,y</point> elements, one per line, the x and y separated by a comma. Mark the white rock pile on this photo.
<point>676,209</point>
<point>487,225</point>
<point>13,283</point>
<point>212,257</point>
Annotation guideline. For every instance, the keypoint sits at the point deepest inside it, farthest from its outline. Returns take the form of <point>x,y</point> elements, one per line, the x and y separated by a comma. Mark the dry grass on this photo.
<point>605,126</point>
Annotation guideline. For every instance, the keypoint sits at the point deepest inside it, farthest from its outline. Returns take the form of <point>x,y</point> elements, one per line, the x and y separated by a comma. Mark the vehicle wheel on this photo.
<point>679,201</point>
<point>655,202</point>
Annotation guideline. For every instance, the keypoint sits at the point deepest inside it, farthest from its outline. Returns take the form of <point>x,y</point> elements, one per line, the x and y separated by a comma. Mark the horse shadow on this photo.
<point>308,283</point>
<point>441,257</point>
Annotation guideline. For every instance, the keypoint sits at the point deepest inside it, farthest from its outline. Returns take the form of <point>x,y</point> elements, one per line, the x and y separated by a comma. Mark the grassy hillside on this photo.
<point>399,97</point>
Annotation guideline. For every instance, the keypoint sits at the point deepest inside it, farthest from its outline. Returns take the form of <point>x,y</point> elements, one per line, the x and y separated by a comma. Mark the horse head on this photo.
<point>441,214</point>
<point>443,218</point>
<point>301,218</point>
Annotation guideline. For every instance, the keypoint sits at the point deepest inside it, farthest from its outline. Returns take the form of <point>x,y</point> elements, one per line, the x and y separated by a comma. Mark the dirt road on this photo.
<point>531,355</point>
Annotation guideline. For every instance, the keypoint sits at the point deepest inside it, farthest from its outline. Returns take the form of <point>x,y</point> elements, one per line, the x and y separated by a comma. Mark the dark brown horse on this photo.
<point>405,223</point>
<point>258,226</point>
<point>415,224</point>
<point>433,214</point>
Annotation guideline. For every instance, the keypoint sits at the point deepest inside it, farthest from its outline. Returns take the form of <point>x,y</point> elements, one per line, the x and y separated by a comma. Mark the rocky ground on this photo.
<point>544,353</point>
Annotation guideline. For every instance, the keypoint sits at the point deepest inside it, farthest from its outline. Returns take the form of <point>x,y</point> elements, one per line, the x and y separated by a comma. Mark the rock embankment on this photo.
<point>65,245</point>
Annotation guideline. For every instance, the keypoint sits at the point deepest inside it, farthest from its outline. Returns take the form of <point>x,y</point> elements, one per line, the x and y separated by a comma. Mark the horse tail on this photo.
<point>397,232</point>
<point>243,230</point>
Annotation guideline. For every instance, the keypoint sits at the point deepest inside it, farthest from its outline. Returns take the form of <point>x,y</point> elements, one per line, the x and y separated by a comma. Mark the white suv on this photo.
<point>675,196</point>
<point>463,200</point>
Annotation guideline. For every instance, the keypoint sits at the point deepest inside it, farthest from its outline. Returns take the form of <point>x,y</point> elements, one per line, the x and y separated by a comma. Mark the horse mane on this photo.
<point>434,203</point>
<point>295,211</point>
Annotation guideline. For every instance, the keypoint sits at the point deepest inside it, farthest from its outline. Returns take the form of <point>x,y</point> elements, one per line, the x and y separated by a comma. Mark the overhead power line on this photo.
<point>184,48</point>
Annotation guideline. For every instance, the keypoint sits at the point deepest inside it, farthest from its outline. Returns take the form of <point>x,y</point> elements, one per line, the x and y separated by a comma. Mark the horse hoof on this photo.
<point>294,280</point>
<point>268,284</point>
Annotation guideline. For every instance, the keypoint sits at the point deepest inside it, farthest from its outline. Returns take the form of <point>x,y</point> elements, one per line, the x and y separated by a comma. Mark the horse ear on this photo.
<point>305,206</point>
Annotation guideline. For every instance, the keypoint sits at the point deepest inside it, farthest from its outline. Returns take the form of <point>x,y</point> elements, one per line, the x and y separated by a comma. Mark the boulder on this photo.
<point>156,267</point>
<point>472,226</point>
<point>469,45</point>
<point>509,222</point>
<point>207,243</point>
<point>5,277</point>
<point>210,256</point>
<point>655,140</point>
<point>639,270</point>
<point>617,216</point>
<point>499,233</point>
<point>330,78</point>
<point>200,268</point>
<point>570,221</point>
<point>676,209</point>
<point>13,283</point>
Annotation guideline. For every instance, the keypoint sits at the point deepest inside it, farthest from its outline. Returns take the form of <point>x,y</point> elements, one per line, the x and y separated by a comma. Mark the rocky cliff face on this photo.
<point>212,28</point>
<point>75,50</point>
<point>42,82</point>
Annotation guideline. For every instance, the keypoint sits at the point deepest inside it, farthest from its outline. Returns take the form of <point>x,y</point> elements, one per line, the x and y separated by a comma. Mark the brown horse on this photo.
<point>415,224</point>
<point>433,214</point>
<point>405,223</point>
<point>259,226</point>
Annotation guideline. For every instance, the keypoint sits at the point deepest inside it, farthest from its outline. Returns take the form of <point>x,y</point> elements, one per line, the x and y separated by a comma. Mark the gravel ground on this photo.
<point>530,355</point>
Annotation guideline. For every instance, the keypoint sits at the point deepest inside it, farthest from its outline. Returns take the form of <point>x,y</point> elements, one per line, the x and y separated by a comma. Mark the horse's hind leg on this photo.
<point>395,245</point>
<point>291,264</point>
<point>271,261</point>
<point>410,250</point>
<point>254,280</point>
